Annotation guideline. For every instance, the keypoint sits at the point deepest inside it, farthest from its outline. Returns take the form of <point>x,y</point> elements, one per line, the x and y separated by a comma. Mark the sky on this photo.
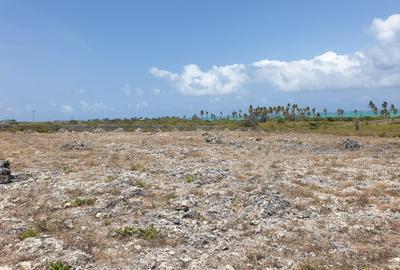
<point>115,59</point>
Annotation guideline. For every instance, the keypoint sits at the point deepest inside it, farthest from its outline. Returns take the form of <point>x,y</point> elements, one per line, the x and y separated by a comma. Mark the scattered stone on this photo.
<point>68,224</point>
<point>62,130</point>
<point>98,130</point>
<point>350,145</point>
<point>212,138</point>
<point>139,130</point>
<point>5,172</point>
<point>75,146</point>
<point>119,130</point>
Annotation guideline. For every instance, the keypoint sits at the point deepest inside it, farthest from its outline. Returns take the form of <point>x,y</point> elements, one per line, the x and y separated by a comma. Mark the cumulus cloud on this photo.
<point>376,67</point>
<point>67,109</point>
<point>95,107</point>
<point>195,82</point>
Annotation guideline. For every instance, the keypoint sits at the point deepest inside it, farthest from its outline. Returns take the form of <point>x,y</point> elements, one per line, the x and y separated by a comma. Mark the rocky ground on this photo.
<point>196,200</point>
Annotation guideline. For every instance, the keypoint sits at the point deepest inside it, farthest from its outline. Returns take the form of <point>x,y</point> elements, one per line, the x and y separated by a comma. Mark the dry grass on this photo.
<point>342,208</point>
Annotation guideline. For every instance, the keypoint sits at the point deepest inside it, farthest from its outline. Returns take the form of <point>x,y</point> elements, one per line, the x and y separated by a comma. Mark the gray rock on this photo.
<point>5,172</point>
<point>75,146</point>
<point>212,138</point>
<point>350,145</point>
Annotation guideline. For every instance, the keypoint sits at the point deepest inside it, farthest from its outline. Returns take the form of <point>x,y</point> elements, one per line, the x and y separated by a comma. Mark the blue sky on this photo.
<point>97,59</point>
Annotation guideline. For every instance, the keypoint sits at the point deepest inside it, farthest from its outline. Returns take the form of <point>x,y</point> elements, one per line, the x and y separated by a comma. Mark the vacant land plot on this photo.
<point>195,200</point>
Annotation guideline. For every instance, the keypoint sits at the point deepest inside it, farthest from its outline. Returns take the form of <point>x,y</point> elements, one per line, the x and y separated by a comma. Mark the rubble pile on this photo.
<point>350,145</point>
<point>75,146</point>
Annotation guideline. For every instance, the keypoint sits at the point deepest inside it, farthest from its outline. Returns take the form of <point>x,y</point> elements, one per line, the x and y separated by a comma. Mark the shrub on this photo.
<point>189,178</point>
<point>313,125</point>
<point>84,201</point>
<point>250,121</point>
<point>28,234</point>
<point>144,233</point>
<point>58,265</point>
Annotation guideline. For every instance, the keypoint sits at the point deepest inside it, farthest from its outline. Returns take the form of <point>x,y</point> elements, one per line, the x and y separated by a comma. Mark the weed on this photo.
<point>189,178</point>
<point>41,225</point>
<point>28,234</point>
<point>111,178</point>
<point>137,168</point>
<point>58,265</point>
<point>144,233</point>
<point>141,184</point>
<point>66,169</point>
<point>308,267</point>
<point>84,201</point>
<point>107,222</point>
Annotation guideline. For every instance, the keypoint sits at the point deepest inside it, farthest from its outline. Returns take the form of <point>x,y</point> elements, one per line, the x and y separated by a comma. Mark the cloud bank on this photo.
<point>376,67</point>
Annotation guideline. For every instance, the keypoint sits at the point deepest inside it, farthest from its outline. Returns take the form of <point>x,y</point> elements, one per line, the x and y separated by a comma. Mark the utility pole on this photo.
<point>33,116</point>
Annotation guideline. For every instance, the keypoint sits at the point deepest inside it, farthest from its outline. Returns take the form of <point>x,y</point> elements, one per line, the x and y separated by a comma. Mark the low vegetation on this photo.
<point>28,234</point>
<point>58,265</point>
<point>144,233</point>
<point>383,121</point>
<point>84,201</point>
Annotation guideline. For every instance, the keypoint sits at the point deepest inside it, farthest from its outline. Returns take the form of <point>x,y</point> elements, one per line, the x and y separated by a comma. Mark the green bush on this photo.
<point>250,121</point>
<point>189,178</point>
<point>144,233</point>
<point>84,201</point>
<point>28,234</point>
<point>58,265</point>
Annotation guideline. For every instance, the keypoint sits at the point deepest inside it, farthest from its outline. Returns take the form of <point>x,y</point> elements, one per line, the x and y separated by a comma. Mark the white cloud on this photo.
<point>194,82</point>
<point>67,109</point>
<point>127,90</point>
<point>376,67</point>
<point>139,91</point>
<point>142,105</point>
<point>388,30</point>
<point>81,91</point>
<point>157,91</point>
<point>95,107</point>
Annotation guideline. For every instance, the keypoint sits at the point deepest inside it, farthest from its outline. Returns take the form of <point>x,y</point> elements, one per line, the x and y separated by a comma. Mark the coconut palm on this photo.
<point>373,108</point>
<point>384,111</point>
<point>325,112</point>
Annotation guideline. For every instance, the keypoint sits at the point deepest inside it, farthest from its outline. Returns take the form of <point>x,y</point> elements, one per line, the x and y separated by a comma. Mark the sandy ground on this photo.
<point>175,200</point>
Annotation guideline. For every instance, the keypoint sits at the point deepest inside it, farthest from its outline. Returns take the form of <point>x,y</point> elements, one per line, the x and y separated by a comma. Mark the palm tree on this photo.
<point>340,112</point>
<point>201,113</point>
<point>325,112</point>
<point>251,109</point>
<point>394,110</point>
<point>384,110</point>
<point>373,108</point>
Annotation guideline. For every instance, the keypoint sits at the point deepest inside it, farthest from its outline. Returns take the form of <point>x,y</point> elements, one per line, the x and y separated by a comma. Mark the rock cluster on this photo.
<point>62,130</point>
<point>212,138</point>
<point>75,146</point>
<point>98,130</point>
<point>5,172</point>
<point>350,145</point>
